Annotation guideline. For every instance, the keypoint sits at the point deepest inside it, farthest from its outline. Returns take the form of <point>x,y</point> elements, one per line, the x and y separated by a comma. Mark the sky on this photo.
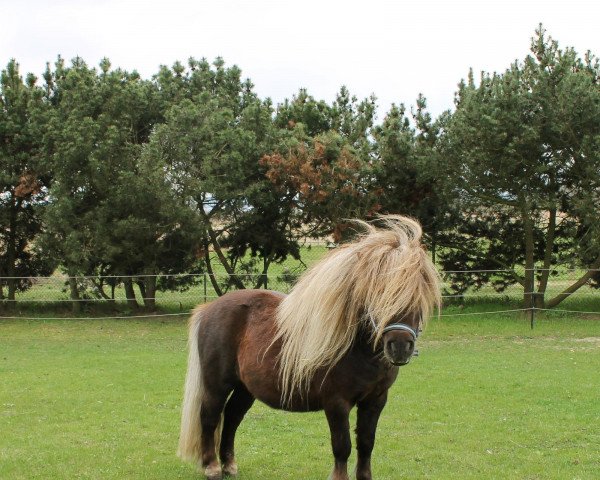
<point>393,49</point>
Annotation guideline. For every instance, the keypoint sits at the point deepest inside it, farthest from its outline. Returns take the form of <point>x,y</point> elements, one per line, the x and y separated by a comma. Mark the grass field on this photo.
<point>487,398</point>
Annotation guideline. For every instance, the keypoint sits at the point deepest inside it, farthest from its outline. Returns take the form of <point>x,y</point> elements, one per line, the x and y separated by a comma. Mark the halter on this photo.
<point>403,327</point>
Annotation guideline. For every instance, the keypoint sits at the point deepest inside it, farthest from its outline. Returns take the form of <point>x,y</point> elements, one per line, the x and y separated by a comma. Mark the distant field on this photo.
<point>488,398</point>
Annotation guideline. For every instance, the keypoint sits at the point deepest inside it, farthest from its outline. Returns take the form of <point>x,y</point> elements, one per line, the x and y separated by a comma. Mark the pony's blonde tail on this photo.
<point>191,429</point>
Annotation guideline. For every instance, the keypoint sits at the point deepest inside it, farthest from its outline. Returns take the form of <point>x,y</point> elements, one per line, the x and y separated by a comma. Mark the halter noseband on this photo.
<point>400,326</point>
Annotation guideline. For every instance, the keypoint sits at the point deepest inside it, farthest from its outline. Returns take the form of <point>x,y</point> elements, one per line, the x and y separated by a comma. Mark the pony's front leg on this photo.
<point>339,426</point>
<point>367,416</point>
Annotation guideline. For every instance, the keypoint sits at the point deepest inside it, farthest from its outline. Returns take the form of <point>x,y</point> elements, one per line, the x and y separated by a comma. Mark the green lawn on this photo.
<point>488,398</point>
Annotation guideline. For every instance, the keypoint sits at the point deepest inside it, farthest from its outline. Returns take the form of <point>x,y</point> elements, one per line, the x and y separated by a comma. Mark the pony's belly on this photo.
<point>263,383</point>
<point>298,404</point>
<point>260,376</point>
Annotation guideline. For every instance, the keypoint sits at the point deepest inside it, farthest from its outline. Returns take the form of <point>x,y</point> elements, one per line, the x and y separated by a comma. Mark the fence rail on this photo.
<point>177,294</point>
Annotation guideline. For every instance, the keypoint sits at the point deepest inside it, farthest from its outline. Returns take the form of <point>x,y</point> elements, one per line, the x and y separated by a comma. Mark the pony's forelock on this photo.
<point>383,274</point>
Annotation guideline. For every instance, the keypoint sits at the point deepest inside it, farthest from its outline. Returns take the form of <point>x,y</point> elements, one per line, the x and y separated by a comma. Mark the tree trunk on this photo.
<point>12,290</point>
<point>99,284</point>
<point>529,283</point>
<point>74,295</point>
<point>11,254</point>
<point>142,286</point>
<point>545,273</point>
<point>150,291</point>
<point>130,293</point>
<point>263,280</point>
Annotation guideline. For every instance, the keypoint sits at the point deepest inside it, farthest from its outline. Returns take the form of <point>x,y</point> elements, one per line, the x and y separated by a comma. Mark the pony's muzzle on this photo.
<point>398,350</point>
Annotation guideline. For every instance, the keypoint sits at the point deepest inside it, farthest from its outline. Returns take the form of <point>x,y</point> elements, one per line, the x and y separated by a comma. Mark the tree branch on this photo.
<point>574,287</point>
<point>520,280</point>
<point>262,279</point>
<point>217,247</point>
<point>211,273</point>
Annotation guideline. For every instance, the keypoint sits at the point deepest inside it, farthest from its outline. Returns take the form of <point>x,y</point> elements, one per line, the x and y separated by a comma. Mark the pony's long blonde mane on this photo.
<point>384,273</point>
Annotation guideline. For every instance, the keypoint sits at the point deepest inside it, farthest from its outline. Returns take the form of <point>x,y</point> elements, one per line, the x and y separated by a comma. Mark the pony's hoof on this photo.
<point>213,472</point>
<point>230,469</point>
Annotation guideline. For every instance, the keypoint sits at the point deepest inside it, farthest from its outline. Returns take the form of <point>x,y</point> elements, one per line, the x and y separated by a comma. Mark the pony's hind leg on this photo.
<point>237,406</point>
<point>211,415</point>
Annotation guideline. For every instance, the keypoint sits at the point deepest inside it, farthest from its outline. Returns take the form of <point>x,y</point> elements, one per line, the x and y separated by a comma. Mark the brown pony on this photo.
<point>335,342</point>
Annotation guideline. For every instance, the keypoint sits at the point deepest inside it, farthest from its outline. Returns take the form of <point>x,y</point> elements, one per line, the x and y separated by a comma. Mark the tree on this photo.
<point>324,181</point>
<point>323,167</point>
<point>109,214</point>
<point>354,121</point>
<point>351,119</point>
<point>408,168</point>
<point>210,146</point>
<point>150,232</point>
<point>23,181</point>
<point>523,154</point>
<point>314,115</point>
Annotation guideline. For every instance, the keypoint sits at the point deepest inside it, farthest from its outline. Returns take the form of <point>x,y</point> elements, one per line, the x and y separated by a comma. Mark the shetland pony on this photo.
<point>334,342</point>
